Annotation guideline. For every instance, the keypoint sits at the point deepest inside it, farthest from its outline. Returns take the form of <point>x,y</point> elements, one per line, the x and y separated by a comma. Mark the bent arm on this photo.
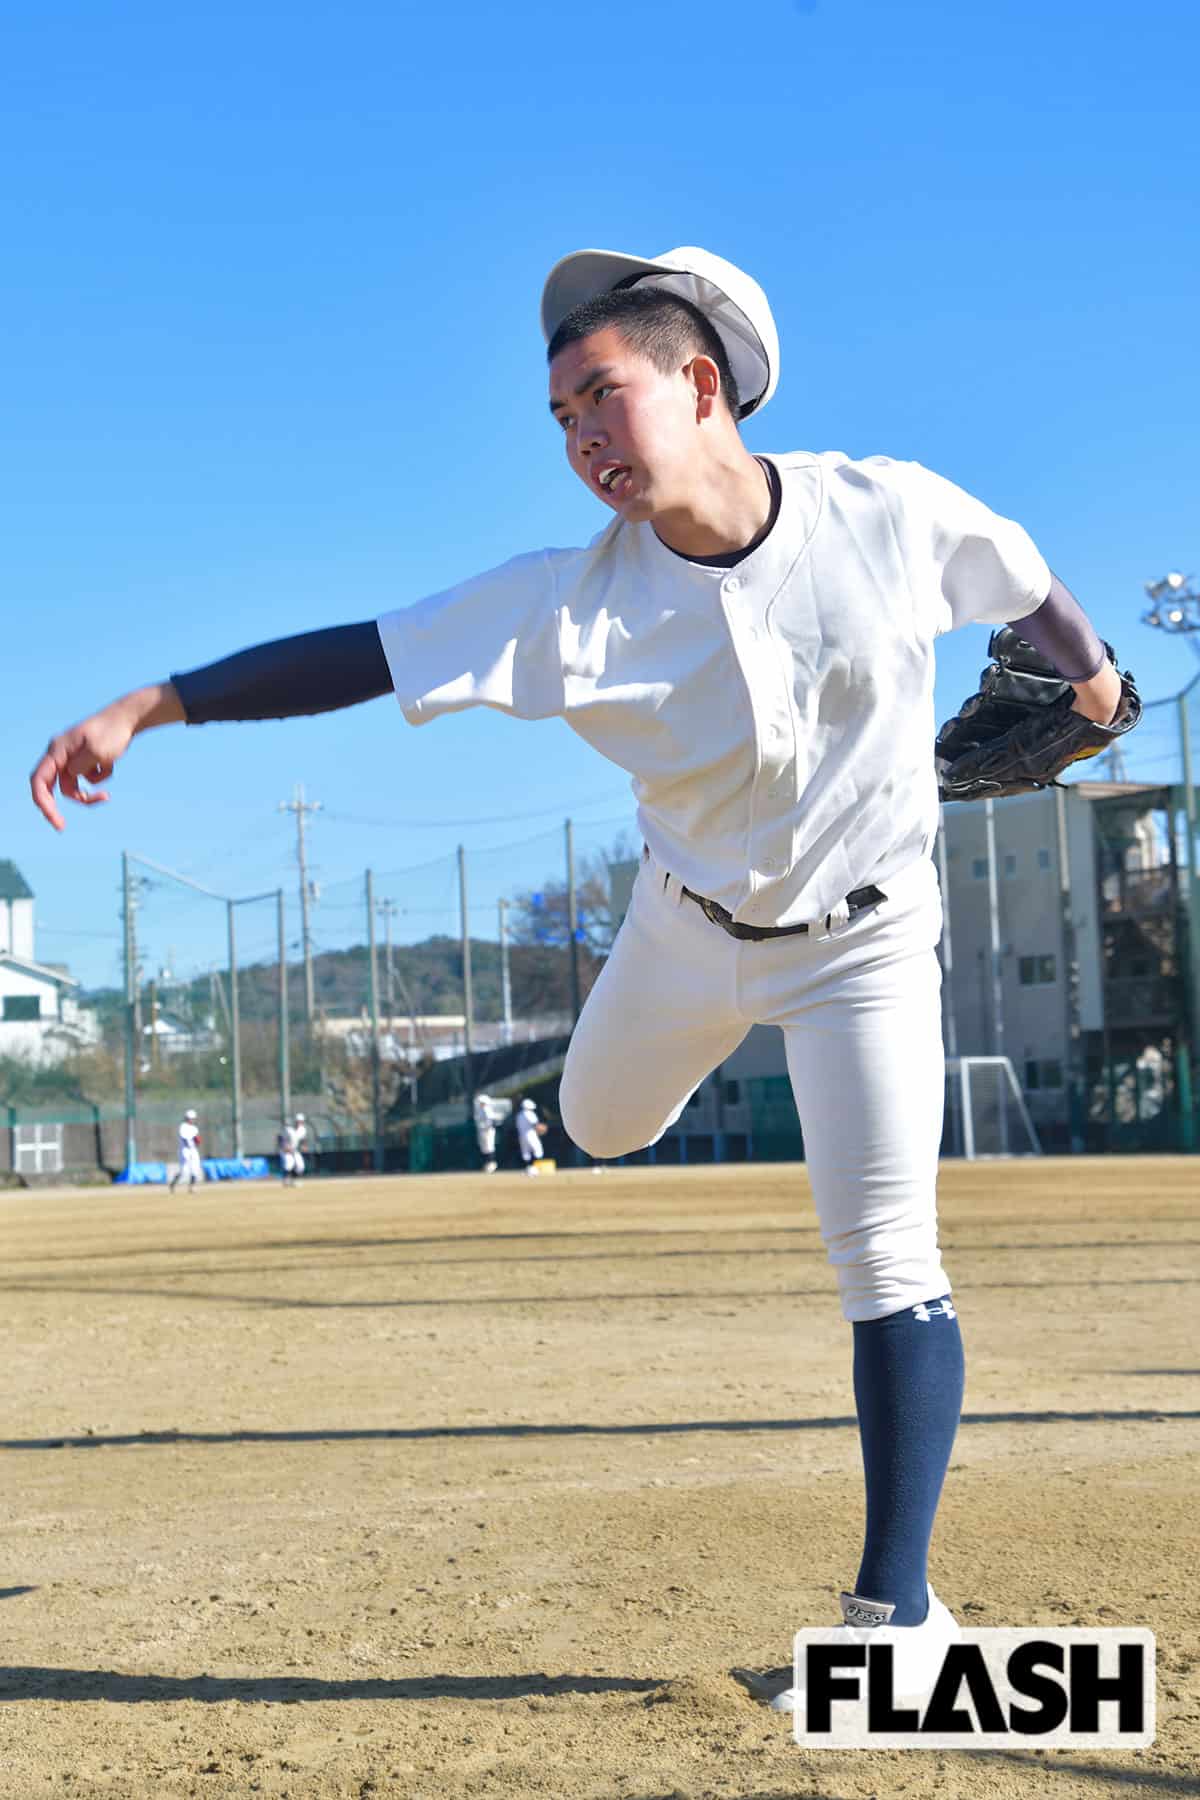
<point>1061,631</point>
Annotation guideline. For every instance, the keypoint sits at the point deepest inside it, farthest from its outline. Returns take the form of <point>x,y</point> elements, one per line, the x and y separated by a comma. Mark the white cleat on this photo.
<point>917,1650</point>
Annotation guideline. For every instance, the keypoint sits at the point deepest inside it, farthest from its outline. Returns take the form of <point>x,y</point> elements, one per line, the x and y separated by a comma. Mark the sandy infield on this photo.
<point>449,1487</point>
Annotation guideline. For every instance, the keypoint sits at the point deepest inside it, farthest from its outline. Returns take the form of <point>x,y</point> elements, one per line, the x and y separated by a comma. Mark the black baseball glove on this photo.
<point>1019,733</point>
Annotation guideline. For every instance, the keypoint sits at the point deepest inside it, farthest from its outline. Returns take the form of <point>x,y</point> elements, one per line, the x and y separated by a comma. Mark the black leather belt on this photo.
<point>857,901</point>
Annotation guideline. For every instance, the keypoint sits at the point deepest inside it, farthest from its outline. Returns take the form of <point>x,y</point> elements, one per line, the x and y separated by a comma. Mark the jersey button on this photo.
<point>733,584</point>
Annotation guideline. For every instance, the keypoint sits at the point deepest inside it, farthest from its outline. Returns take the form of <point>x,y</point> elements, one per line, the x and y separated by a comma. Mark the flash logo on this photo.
<point>1074,1688</point>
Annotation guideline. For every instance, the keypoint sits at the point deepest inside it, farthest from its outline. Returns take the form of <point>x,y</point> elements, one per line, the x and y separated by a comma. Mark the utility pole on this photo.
<point>285,1072</point>
<point>505,975</point>
<point>235,1033</point>
<point>301,807</point>
<point>468,1002</point>
<point>132,900</point>
<point>373,978</point>
<point>388,910</point>
<point>1076,1072</point>
<point>130,992</point>
<point>573,926</point>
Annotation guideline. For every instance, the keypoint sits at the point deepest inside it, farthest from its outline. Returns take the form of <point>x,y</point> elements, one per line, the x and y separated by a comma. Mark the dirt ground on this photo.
<point>447,1487</point>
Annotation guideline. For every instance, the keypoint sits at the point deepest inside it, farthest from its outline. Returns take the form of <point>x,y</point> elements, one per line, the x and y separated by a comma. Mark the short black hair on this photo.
<point>662,327</point>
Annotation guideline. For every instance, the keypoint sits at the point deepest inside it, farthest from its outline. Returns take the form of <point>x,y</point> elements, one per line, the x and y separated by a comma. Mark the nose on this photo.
<point>589,437</point>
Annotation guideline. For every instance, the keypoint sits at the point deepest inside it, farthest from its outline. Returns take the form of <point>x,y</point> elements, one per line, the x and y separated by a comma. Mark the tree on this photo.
<point>540,915</point>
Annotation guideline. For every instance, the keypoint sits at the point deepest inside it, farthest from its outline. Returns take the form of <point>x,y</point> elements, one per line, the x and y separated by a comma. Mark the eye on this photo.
<point>597,393</point>
<point>566,420</point>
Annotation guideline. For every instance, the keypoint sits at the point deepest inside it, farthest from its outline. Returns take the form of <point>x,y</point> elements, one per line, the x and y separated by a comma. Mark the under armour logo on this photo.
<point>934,1309</point>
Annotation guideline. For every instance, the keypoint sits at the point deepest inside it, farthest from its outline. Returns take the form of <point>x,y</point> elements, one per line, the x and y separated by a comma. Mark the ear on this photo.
<point>705,378</point>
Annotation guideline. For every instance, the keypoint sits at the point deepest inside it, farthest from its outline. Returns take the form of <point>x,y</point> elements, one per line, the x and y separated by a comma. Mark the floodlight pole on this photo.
<point>235,1033</point>
<point>989,814</point>
<point>947,940</point>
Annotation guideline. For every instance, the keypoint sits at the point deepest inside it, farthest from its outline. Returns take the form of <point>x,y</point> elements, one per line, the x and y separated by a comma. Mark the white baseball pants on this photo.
<point>190,1167</point>
<point>861,1017</point>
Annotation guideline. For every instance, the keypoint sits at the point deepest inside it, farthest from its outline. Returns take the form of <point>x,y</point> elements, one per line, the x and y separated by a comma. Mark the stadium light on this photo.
<point>1181,615</point>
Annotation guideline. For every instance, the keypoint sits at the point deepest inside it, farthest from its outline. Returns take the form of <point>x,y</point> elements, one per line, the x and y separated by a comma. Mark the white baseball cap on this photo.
<point>731,300</point>
<point>190,1113</point>
<point>299,1118</point>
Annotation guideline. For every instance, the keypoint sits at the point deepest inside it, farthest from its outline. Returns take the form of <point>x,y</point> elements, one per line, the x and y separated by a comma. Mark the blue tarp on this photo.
<point>216,1168</point>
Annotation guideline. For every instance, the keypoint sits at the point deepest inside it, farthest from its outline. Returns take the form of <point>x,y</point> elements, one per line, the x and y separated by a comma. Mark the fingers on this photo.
<point>41,786</point>
<point>67,769</point>
<point>68,782</point>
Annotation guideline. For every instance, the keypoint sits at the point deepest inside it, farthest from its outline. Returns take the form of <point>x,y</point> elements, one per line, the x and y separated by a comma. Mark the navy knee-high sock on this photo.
<point>908,1387</point>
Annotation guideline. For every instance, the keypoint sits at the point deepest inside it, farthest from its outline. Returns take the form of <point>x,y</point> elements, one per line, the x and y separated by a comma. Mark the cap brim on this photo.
<point>583,275</point>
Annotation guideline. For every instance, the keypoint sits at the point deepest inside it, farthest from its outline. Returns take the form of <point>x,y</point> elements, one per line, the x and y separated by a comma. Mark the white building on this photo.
<point>40,1018</point>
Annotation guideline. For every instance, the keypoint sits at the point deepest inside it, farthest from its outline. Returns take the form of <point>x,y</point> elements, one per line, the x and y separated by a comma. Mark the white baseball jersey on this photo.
<point>189,1133</point>
<point>777,717</point>
<point>529,1137</point>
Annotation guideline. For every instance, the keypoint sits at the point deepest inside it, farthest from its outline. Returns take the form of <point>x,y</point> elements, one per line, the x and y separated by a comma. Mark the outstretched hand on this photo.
<point>88,752</point>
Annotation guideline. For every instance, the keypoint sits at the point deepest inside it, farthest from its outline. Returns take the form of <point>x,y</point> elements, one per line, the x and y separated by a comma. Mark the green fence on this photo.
<point>774,1124</point>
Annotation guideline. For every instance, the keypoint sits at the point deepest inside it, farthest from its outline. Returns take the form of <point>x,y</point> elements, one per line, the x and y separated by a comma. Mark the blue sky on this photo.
<point>272,357</point>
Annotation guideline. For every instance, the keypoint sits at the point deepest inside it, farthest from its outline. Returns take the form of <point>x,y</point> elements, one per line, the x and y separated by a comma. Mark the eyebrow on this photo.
<point>592,376</point>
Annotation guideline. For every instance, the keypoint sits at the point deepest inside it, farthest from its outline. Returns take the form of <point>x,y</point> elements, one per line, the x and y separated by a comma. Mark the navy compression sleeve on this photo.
<point>1063,633</point>
<point>318,671</point>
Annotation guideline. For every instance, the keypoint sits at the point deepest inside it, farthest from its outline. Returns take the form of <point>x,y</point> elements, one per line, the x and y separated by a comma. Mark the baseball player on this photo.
<point>752,638</point>
<point>530,1132</point>
<point>485,1131</point>
<point>189,1153</point>
<point>291,1154</point>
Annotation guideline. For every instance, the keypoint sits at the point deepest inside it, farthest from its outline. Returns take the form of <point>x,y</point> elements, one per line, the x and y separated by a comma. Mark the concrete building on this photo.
<point>1080,974</point>
<point>1079,971</point>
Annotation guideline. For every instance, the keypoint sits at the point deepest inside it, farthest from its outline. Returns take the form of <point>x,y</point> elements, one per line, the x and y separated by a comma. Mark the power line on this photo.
<point>540,812</point>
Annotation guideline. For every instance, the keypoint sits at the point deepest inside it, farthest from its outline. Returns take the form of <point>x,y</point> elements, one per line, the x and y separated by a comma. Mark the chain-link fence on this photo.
<point>1160,751</point>
<point>379,1004</point>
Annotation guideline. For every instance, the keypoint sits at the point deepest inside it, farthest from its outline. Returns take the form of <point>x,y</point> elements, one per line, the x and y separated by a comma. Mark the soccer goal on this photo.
<point>986,1114</point>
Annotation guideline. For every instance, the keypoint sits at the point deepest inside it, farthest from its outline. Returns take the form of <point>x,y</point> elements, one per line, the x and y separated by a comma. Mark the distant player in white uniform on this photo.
<point>530,1132</point>
<point>485,1131</point>
<point>752,638</point>
<point>189,1153</point>
<point>291,1150</point>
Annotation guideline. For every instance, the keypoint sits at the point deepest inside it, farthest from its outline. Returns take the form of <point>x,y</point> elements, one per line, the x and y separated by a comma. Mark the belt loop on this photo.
<point>835,920</point>
<point>673,889</point>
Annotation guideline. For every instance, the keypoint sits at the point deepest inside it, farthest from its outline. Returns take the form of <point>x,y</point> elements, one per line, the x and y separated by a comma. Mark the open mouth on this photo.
<point>614,480</point>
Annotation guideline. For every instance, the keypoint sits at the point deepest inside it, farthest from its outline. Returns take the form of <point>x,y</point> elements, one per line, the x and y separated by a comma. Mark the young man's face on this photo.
<point>630,430</point>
